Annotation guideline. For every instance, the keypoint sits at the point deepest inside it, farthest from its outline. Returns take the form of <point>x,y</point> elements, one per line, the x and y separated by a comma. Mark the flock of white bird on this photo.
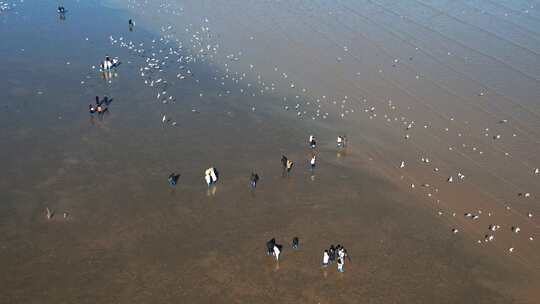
<point>7,5</point>
<point>177,50</point>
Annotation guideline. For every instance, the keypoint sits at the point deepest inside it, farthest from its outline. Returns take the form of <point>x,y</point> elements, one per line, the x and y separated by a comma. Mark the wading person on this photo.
<point>295,242</point>
<point>173,179</point>
<point>312,142</point>
<point>253,180</point>
<point>290,164</point>
<point>207,177</point>
<point>340,142</point>
<point>210,176</point>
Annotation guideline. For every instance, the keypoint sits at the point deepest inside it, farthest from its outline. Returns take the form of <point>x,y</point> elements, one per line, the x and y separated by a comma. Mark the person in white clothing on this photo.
<point>276,252</point>
<point>312,142</point>
<point>312,162</point>
<point>325,258</point>
<point>339,142</point>
<point>208,180</point>
<point>341,253</point>
<point>340,264</point>
<point>213,175</point>
<point>210,176</point>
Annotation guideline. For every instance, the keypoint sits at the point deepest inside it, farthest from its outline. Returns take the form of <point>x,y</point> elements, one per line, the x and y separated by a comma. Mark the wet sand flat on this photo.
<point>447,90</point>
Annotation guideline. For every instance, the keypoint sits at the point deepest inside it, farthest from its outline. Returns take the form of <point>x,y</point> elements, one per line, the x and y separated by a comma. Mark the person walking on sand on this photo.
<point>213,175</point>
<point>207,177</point>
<point>253,180</point>
<point>325,259</point>
<point>210,176</point>
<point>173,179</point>
<point>277,251</point>
<point>295,243</point>
<point>312,162</point>
<point>290,164</point>
<point>340,264</point>
<point>341,252</point>
<point>332,254</point>
<point>270,246</point>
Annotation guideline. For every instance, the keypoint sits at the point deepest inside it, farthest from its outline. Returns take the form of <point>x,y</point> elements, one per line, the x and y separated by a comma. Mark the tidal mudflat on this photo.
<point>434,196</point>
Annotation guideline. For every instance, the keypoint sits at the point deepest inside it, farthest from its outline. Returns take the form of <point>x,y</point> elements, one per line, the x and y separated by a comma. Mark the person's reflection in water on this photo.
<point>211,191</point>
<point>106,75</point>
<point>341,153</point>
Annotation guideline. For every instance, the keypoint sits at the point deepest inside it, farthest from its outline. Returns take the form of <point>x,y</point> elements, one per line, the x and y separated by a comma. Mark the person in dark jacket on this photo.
<point>173,179</point>
<point>270,246</point>
<point>253,180</point>
<point>295,243</point>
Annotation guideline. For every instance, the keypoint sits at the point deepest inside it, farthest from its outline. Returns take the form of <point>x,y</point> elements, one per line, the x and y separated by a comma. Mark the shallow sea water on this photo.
<point>131,238</point>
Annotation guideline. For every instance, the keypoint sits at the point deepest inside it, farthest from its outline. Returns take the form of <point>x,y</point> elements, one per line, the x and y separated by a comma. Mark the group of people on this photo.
<point>109,63</point>
<point>340,142</point>
<point>335,254</point>
<point>211,176</point>
<point>101,105</point>
<point>274,249</point>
